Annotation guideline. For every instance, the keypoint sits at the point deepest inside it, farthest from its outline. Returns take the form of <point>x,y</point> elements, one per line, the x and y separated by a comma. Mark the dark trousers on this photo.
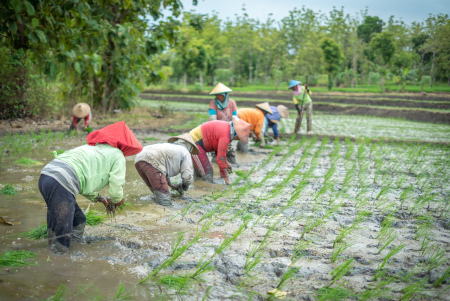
<point>63,212</point>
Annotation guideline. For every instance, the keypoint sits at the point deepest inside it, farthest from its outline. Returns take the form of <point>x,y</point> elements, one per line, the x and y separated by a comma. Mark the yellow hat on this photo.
<point>274,121</point>
<point>265,107</point>
<point>188,138</point>
<point>219,89</point>
<point>81,110</point>
<point>242,129</point>
<point>283,111</point>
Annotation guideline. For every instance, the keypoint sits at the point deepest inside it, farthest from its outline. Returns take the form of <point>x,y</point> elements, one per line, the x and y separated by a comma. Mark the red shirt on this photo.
<point>216,138</point>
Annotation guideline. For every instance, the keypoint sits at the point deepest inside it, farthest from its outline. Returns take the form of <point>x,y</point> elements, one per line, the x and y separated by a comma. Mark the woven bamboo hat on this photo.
<point>219,89</point>
<point>242,129</point>
<point>81,110</point>
<point>265,107</point>
<point>293,83</point>
<point>283,111</point>
<point>188,138</point>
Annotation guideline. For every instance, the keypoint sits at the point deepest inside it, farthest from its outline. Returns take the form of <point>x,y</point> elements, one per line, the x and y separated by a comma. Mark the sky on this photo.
<point>406,10</point>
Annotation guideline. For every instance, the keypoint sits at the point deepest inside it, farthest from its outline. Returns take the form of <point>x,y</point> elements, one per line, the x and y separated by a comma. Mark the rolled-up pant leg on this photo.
<point>202,165</point>
<point>63,214</point>
<point>156,181</point>
<point>309,109</point>
<point>242,147</point>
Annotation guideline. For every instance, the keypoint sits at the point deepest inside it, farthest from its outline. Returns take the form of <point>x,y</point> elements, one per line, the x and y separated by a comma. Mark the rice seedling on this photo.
<point>289,274</point>
<point>436,257</point>
<point>27,162</point>
<point>340,271</point>
<point>444,277</point>
<point>386,258</point>
<point>60,295</point>
<point>94,218</point>
<point>8,189</point>
<point>179,283</point>
<point>36,233</point>
<point>414,289</point>
<point>314,221</point>
<point>17,258</point>
<point>338,249</point>
<point>378,290</point>
<point>334,294</point>
<point>123,294</point>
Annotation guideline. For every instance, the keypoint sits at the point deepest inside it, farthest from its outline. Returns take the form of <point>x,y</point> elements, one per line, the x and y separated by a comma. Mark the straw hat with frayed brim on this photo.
<point>293,83</point>
<point>283,111</point>
<point>274,121</point>
<point>242,129</point>
<point>188,138</point>
<point>81,110</point>
<point>265,107</point>
<point>219,89</point>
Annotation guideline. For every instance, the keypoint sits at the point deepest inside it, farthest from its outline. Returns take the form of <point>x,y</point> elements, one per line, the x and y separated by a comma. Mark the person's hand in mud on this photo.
<point>229,167</point>
<point>103,199</point>
<point>262,145</point>
<point>227,181</point>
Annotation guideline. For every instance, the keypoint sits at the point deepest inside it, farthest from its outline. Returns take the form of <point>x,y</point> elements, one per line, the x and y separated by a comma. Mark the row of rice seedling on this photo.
<point>23,144</point>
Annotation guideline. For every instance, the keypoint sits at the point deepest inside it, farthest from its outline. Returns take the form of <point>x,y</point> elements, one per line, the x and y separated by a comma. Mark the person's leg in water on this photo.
<point>202,165</point>
<point>156,182</point>
<point>61,210</point>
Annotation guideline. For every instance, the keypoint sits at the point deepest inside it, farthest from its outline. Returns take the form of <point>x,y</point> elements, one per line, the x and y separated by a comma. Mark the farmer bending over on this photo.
<point>158,162</point>
<point>223,108</point>
<point>80,111</point>
<point>215,136</point>
<point>256,118</point>
<point>85,170</point>
<point>272,120</point>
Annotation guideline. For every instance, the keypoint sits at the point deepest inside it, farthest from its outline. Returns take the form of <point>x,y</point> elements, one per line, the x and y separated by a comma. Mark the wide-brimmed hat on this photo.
<point>293,83</point>
<point>81,110</point>
<point>274,120</point>
<point>188,138</point>
<point>242,129</point>
<point>265,107</point>
<point>283,111</point>
<point>219,89</point>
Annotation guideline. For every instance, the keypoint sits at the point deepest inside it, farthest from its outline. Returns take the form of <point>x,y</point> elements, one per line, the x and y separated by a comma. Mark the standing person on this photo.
<point>301,97</point>
<point>80,110</point>
<point>85,170</point>
<point>272,120</point>
<point>223,108</point>
<point>256,118</point>
<point>215,136</point>
<point>158,162</point>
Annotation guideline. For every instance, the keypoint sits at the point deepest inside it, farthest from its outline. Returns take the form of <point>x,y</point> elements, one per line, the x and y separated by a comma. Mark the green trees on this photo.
<point>99,50</point>
<point>383,46</point>
<point>333,57</point>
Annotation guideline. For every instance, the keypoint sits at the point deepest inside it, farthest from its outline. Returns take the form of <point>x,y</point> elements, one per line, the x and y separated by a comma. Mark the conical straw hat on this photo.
<point>283,111</point>
<point>275,121</point>
<point>220,88</point>
<point>242,129</point>
<point>265,107</point>
<point>188,138</point>
<point>81,110</point>
<point>293,83</point>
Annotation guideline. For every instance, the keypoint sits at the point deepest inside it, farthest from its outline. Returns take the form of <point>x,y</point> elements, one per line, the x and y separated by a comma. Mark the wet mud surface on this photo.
<point>286,213</point>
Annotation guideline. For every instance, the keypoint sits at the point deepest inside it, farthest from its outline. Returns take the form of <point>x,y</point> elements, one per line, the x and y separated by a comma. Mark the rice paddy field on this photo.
<point>357,210</point>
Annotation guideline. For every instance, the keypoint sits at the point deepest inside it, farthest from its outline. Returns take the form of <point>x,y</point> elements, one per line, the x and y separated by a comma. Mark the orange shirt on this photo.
<point>253,116</point>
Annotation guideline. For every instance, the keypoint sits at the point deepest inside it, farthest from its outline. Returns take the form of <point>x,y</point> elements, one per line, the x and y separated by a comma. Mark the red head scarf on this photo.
<point>117,135</point>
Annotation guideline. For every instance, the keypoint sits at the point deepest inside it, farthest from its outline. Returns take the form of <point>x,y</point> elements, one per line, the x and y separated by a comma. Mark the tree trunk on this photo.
<point>185,79</point>
<point>255,77</point>
<point>200,76</point>
<point>431,69</point>
<point>381,86</point>
<point>250,66</point>
<point>354,70</point>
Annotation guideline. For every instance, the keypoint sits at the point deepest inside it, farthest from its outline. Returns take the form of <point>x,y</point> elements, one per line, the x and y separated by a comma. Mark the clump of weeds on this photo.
<point>8,190</point>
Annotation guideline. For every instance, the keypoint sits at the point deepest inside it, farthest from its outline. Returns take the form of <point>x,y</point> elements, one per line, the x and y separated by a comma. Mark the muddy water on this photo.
<point>118,248</point>
<point>125,249</point>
